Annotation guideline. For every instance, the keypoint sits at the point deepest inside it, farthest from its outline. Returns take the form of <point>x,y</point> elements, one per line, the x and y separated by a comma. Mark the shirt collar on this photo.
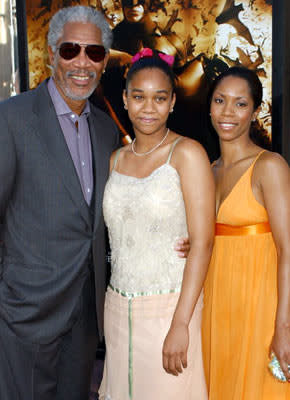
<point>60,105</point>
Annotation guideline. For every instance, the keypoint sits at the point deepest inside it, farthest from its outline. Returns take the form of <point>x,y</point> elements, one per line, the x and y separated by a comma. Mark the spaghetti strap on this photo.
<point>251,168</point>
<point>116,158</point>
<point>172,148</point>
<point>254,162</point>
<point>258,156</point>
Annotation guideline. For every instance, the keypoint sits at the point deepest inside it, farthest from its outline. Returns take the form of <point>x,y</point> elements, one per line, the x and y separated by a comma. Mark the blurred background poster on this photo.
<point>205,36</point>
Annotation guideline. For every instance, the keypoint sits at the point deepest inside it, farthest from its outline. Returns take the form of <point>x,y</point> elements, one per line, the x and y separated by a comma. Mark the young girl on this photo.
<point>161,188</point>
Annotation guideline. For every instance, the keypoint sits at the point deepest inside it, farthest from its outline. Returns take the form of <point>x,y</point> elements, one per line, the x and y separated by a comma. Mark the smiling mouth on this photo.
<point>227,125</point>
<point>147,120</point>
<point>81,76</point>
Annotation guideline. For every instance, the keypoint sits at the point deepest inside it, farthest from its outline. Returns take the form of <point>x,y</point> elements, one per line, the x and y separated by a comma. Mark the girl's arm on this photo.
<point>197,183</point>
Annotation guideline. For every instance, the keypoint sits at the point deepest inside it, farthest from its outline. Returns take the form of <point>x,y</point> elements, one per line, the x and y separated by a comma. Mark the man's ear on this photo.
<point>51,55</point>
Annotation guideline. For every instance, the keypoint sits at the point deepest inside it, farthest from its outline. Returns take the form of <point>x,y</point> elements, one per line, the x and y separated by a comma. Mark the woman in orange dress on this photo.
<point>247,291</point>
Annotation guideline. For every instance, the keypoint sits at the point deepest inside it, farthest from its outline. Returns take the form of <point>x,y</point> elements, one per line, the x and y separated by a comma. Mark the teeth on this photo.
<point>80,78</point>
<point>227,125</point>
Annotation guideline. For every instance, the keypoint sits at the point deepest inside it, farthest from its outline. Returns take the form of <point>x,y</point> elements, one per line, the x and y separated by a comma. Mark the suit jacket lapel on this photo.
<point>101,164</point>
<point>46,126</point>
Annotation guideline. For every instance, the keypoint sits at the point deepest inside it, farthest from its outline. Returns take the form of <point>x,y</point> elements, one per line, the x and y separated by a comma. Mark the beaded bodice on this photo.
<point>145,217</point>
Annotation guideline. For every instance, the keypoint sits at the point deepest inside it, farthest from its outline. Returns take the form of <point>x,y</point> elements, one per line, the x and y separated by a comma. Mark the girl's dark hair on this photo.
<point>257,133</point>
<point>149,63</point>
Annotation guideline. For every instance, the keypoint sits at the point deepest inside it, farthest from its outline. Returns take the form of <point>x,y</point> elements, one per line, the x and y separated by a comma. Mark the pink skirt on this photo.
<point>134,340</point>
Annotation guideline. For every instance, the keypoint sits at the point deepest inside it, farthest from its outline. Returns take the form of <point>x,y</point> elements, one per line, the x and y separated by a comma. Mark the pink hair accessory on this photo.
<point>147,52</point>
<point>167,58</point>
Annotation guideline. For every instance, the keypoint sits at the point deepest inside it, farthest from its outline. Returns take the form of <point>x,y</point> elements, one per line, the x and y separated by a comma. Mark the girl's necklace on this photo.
<point>153,148</point>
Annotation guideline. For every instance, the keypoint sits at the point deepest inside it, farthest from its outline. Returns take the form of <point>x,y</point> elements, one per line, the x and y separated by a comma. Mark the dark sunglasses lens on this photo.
<point>68,51</point>
<point>95,52</point>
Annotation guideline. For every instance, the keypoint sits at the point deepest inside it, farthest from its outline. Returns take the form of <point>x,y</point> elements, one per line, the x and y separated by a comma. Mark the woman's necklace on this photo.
<point>153,148</point>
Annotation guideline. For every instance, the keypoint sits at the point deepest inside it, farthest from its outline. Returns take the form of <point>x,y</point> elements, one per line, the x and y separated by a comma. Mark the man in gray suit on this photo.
<point>54,158</point>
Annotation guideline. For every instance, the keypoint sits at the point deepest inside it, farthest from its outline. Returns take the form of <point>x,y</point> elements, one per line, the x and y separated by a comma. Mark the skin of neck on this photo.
<point>233,151</point>
<point>144,143</point>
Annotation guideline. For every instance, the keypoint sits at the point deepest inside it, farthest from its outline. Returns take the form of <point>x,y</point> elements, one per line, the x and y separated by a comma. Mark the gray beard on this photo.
<point>72,96</point>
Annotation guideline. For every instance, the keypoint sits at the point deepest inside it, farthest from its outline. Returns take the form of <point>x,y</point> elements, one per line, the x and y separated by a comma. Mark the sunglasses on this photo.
<point>95,52</point>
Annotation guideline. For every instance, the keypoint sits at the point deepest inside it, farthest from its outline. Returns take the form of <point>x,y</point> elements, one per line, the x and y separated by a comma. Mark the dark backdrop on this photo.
<point>280,79</point>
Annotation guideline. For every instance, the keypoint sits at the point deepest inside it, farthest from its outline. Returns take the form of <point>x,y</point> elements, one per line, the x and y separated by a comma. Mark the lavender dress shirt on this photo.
<point>76,131</point>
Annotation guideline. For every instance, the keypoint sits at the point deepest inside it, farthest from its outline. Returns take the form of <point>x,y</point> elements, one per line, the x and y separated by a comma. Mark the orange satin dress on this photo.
<point>240,302</point>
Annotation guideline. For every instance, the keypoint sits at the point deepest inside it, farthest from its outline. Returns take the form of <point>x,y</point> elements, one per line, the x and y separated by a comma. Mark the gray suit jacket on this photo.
<point>48,228</point>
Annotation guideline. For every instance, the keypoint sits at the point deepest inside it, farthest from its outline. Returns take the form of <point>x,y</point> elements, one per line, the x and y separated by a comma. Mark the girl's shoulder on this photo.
<point>189,152</point>
<point>186,145</point>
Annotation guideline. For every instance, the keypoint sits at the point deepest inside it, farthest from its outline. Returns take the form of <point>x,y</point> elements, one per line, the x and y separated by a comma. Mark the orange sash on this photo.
<point>231,230</point>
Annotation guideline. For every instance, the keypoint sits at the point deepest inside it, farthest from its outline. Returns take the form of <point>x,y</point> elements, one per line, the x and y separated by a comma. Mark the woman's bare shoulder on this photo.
<point>269,160</point>
<point>271,165</point>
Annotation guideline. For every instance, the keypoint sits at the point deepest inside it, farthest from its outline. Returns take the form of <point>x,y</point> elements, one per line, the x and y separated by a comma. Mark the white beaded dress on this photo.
<point>145,217</point>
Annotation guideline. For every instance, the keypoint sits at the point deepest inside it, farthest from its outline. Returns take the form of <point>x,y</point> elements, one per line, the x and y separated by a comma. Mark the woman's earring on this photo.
<point>172,109</point>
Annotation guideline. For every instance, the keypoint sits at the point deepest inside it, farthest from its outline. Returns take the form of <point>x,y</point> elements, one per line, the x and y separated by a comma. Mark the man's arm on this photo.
<point>7,163</point>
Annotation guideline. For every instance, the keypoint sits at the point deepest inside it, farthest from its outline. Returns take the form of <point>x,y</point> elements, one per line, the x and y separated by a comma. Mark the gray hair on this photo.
<point>78,14</point>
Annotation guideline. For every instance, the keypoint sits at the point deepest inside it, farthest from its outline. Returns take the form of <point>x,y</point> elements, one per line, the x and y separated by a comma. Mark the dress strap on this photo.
<point>257,157</point>
<point>172,148</point>
<point>116,158</point>
<point>251,168</point>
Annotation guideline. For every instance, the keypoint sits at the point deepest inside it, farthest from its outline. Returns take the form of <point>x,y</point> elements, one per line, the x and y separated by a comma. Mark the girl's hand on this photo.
<point>175,348</point>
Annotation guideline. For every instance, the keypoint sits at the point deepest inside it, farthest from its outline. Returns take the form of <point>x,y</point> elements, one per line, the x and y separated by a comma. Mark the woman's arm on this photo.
<point>197,184</point>
<point>274,175</point>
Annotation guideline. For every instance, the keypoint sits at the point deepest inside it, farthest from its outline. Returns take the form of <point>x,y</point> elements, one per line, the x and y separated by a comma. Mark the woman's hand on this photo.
<point>272,175</point>
<point>281,347</point>
<point>182,247</point>
<point>175,348</point>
